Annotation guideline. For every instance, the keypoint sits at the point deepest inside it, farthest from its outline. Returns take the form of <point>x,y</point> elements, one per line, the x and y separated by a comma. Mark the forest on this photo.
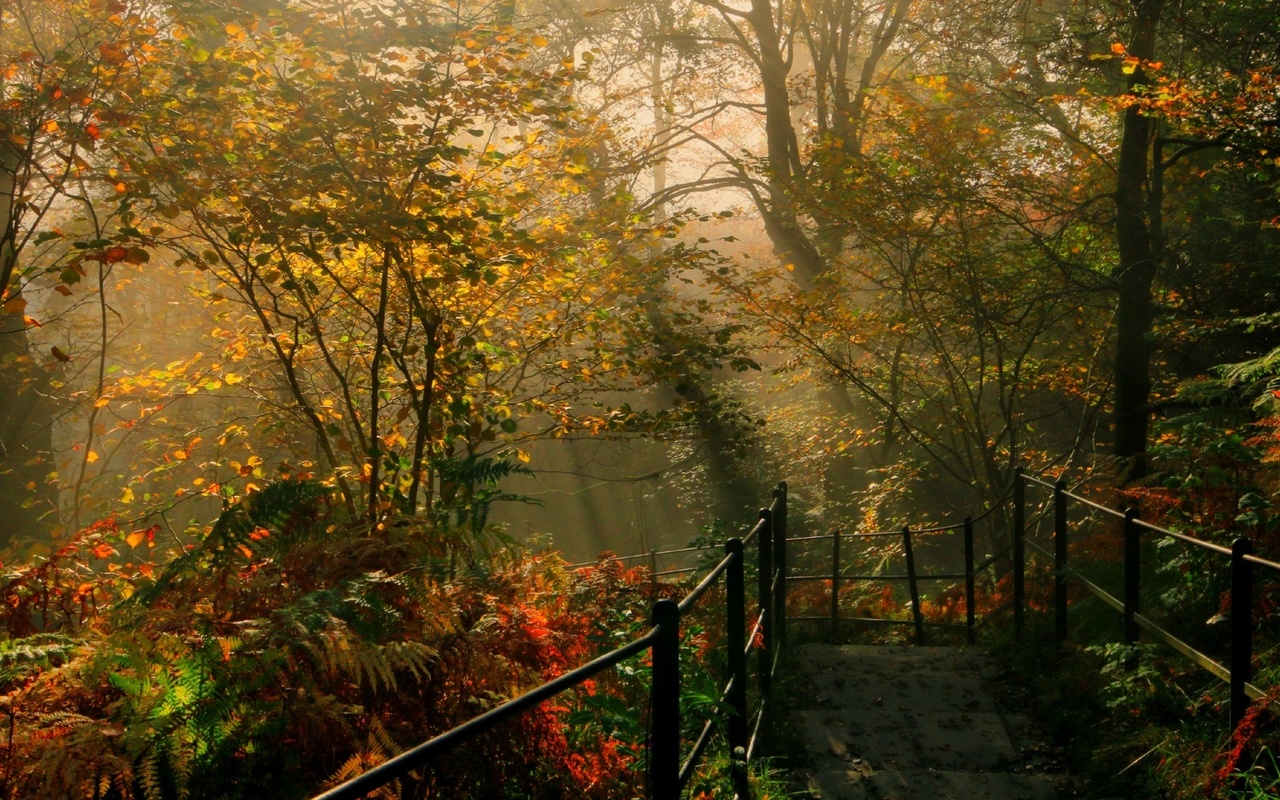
<point>332,334</point>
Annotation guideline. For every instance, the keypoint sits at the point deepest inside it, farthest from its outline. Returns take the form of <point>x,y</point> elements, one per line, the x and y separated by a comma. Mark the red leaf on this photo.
<point>61,356</point>
<point>94,132</point>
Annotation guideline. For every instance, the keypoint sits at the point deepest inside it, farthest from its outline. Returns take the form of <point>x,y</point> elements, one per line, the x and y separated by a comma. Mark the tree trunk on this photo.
<point>782,223</point>
<point>28,503</point>
<point>1136,267</point>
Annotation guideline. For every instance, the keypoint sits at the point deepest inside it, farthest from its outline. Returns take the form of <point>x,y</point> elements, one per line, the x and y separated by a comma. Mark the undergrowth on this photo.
<point>283,650</point>
<point>1139,721</point>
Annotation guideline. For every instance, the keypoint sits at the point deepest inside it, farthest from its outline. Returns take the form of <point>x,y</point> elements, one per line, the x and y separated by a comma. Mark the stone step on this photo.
<point>900,723</point>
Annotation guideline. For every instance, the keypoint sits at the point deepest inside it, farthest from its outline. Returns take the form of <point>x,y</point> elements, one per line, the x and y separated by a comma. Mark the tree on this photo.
<point>65,66</point>
<point>400,216</point>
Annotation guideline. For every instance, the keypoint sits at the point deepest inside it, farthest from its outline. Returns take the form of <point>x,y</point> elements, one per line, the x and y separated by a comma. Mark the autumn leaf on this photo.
<point>114,254</point>
<point>58,354</point>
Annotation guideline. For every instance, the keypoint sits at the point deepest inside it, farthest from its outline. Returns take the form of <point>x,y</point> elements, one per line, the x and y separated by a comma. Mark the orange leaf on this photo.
<point>104,550</point>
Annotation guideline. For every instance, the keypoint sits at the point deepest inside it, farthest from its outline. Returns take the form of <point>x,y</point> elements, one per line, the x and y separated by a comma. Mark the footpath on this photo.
<point>915,723</point>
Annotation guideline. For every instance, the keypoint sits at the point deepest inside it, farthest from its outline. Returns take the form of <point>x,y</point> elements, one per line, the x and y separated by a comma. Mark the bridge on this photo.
<point>889,722</point>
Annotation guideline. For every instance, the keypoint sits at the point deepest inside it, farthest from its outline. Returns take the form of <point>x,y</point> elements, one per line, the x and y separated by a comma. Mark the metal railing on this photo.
<point>912,576</point>
<point>1237,673</point>
<point>668,773</point>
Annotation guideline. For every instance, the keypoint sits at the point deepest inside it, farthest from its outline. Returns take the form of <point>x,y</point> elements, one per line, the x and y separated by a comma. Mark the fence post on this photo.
<point>664,699</point>
<point>1132,578</point>
<point>1241,628</point>
<point>653,574</point>
<point>1060,561</point>
<point>735,639</point>
<point>911,583</point>
<point>835,584</point>
<point>764,666</point>
<point>780,563</point>
<point>1019,554</point>
<point>969,593</point>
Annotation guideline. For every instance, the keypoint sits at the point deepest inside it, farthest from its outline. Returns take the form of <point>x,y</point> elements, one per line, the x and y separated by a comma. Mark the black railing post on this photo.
<point>780,563</point>
<point>969,593</point>
<point>835,584</point>
<point>1241,628</point>
<point>764,666</point>
<point>1132,579</point>
<point>1019,553</point>
<point>913,585</point>
<point>653,574</point>
<point>664,699</point>
<point>735,640</point>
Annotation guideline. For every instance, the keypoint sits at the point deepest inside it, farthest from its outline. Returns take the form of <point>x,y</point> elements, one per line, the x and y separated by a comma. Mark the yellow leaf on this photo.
<point>523,456</point>
<point>102,401</point>
<point>51,126</point>
<point>134,539</point>
<point>126,496</point>
<point>92,456</point>
<point>232,379</point>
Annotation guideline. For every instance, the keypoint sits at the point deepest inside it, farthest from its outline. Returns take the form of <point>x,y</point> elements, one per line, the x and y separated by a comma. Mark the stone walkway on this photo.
<point>915,723</point>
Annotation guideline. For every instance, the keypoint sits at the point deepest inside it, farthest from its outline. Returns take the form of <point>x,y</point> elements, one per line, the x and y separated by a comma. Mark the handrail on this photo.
<point>668,776</point>
<point>912,577</point>
<point>635,556</point>
<point>1238,672</point>
<point>401,765</point>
